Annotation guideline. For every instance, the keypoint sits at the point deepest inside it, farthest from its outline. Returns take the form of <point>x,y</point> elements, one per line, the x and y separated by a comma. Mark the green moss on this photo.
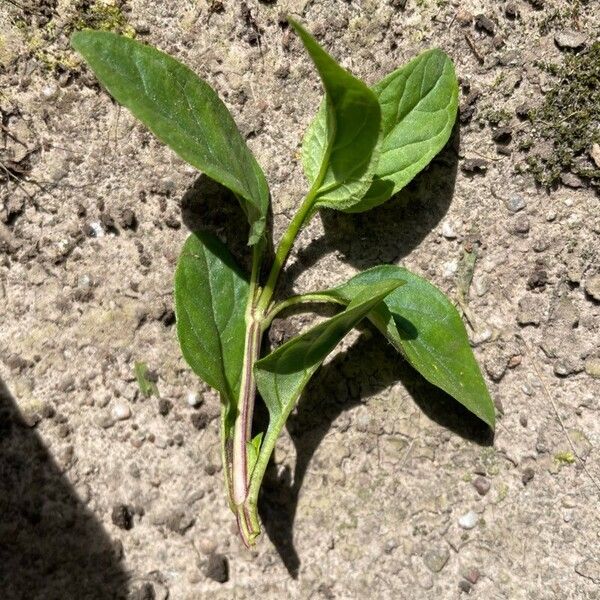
<point>502,492</point>
<point>570,119</point>
<point>562,17</point>
<point>564,458</point>
<point>103,15</point>
<point>496,116</point>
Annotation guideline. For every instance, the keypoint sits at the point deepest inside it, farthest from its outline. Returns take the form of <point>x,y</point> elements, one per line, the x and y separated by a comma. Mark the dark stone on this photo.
<point>164,407</point>
<point>483,23</point>
<point>511,10</point>
<point>217,568</point>
<point>168,317</point>
<point>199,420</point>
<point>522,111</point>
<point>128,219</point>
<point>172,222</point>
<point>528,475</point>
<point>108,222</point>
<point>502,135</point>
<point>122,516</point>
<point>538,279</point>
<point>466,113</point>
<point>522,224</point>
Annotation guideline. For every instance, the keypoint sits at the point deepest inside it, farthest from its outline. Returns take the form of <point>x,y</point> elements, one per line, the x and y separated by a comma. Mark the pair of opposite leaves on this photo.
<point>364,145</point>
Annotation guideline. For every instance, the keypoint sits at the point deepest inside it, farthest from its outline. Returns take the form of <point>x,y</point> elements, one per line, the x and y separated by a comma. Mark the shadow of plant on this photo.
<point>383,235</point>
<point>51,546</point>
<point>365,369</point>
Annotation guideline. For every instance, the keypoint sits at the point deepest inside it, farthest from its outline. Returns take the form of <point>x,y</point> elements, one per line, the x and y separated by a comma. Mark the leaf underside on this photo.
<point>427,329</point>
<point>183,111</point>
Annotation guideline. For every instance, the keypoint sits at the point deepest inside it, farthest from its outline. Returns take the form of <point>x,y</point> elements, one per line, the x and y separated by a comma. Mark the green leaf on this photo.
<point>282,375</point>
<point>183,111</point>
<point>210,303</point>
<point>340,149</point>
<point>427,329</point>
<point>419,103</point>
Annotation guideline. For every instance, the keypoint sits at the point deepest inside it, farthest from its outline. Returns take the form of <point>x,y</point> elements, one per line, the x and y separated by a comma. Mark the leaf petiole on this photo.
<point>294,301</point>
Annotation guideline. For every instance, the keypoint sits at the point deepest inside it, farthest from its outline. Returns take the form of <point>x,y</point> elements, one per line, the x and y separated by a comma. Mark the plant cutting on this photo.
<point>363,146</point>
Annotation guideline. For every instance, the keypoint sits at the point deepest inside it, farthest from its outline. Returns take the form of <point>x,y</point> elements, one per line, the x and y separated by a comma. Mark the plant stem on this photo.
<point>243,421</point>
<point>295,300</point>
<point>283,250</point>
<point>256,310</point>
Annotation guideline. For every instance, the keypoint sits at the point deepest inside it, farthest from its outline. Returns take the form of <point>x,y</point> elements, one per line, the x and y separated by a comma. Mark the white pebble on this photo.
<point>194,399</point>
<point>49,92</point>
<point>97,229</point>
<point>468,520</point>
<point>448,231</point>
<point>450,268</point>
<point>121,411</point>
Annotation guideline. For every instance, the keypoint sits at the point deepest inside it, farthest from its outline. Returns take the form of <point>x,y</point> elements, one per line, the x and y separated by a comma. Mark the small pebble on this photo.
<point>464,586</point>
<point>63,430</point>
<point>164,407</point>
<point>435,560</point>
<point>482,485</point>
<point>207,546</point>
<point>105,421</point>
<point>485,24</point>
<point>464,17</point>
<point>570,40</point>
<point>49,92</point>
<point>448,231</point>
<point>595,154</point>
<point>468,520</point>
<point>120,411</point>
<point>472,575</point>
<point>122,516</point>
<point>502,135</point>
<point>128,219</point>
<point>144,592</point>
<point>592,366</point>
<point>522,224</point>
<point>511,10</point>
<point>528,475</point>
<point>592,287</point>
<point>96,229</point>
<point>194,399</point>
<point>523,420</point>
<point>47,411</point>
